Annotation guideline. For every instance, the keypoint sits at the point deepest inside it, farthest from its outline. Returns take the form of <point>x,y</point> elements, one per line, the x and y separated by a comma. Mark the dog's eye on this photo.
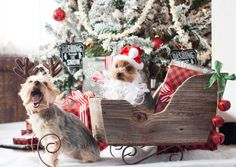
<point>116,66</point>
<point>129,68</point>
<point>45,83</point>
<point>30,81</point>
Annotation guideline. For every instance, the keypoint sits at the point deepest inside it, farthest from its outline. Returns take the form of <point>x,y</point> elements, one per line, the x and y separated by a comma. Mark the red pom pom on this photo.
<point>59,14</point>
<point>224,105</point>
<point>217,121</point>
<point>157,42</point>
<point>218,138</point>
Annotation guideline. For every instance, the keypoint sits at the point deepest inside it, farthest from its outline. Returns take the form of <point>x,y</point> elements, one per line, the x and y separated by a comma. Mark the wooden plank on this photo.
<point>11,108</point>
<point>186,120</point>
<point>97,119</point>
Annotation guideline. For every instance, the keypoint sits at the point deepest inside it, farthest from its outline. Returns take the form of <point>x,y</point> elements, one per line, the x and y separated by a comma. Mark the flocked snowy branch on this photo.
<point>111,24</point>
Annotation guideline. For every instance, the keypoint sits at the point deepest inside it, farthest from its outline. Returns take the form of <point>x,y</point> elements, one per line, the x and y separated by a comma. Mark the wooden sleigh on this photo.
<point>185,120</point>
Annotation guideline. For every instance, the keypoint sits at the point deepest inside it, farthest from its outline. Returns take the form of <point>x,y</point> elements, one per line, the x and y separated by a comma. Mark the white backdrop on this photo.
<point>22,24</point>
<point>224,45</point>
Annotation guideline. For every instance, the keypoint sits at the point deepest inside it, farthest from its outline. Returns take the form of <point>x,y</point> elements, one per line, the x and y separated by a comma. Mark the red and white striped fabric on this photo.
<point>108,62</point>
<point>166,93</point>
<point>80,97</point>
<point>82,100</point>
<point>98,78</point>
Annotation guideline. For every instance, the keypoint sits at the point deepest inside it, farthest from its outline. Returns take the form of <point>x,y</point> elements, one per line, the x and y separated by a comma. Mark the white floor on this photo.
<point>225,156</point>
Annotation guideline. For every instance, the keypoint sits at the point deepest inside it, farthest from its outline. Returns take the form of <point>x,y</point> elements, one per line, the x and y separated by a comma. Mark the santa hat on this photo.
<point>132,54</point>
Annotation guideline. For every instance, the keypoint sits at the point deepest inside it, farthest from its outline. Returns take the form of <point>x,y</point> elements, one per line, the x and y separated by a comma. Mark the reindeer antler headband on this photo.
<point>53,68</point>
<point>26,68</point>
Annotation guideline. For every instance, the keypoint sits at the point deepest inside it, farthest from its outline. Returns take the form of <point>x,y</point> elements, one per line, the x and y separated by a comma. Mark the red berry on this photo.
<point>59,14</point>
<point>157,42</point>
<point>224,105</point>
<point>218,138</point>
<point>217,121</point>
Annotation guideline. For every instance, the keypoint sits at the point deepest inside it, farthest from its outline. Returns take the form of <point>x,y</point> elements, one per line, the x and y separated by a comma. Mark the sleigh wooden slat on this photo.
<point>185,120</point>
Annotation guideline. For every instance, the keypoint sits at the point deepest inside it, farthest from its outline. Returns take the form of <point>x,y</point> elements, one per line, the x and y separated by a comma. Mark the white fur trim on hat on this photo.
<point>133,52</point>
<point>129,59</point>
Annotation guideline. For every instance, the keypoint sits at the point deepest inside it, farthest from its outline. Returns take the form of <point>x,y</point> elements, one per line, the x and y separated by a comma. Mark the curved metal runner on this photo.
<point>127,156</point>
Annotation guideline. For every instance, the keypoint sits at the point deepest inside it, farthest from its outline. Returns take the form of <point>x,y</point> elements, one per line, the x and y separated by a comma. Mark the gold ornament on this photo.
<point>89,42</point>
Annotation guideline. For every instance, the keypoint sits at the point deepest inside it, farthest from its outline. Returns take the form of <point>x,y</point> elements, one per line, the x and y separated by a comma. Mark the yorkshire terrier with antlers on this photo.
<point>38,95</point>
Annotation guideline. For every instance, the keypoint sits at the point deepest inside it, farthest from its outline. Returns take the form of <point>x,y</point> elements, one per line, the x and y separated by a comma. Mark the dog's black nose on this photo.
<point>36,83</point>
<point>119,74</point>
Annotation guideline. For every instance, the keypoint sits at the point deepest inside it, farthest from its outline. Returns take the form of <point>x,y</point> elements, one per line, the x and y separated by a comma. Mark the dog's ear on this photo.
<point>23,93</point>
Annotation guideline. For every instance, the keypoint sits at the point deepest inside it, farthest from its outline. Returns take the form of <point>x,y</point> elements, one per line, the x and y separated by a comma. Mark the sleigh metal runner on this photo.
<point>127,154</point>
<point>186,120</point>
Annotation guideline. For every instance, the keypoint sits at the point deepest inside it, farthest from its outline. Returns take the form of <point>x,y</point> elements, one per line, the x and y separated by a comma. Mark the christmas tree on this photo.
<point>156,26</point>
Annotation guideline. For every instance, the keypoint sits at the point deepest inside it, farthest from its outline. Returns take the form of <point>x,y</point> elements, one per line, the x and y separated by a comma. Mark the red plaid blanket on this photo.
<point>175,77</point>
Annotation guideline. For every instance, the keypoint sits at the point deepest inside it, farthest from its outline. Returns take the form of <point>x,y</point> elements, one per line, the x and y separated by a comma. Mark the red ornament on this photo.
<point>217,121</point>
<point>224,105</point>
<point>59,14</point>
<point>157,42</point>
<point>218,138</point>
